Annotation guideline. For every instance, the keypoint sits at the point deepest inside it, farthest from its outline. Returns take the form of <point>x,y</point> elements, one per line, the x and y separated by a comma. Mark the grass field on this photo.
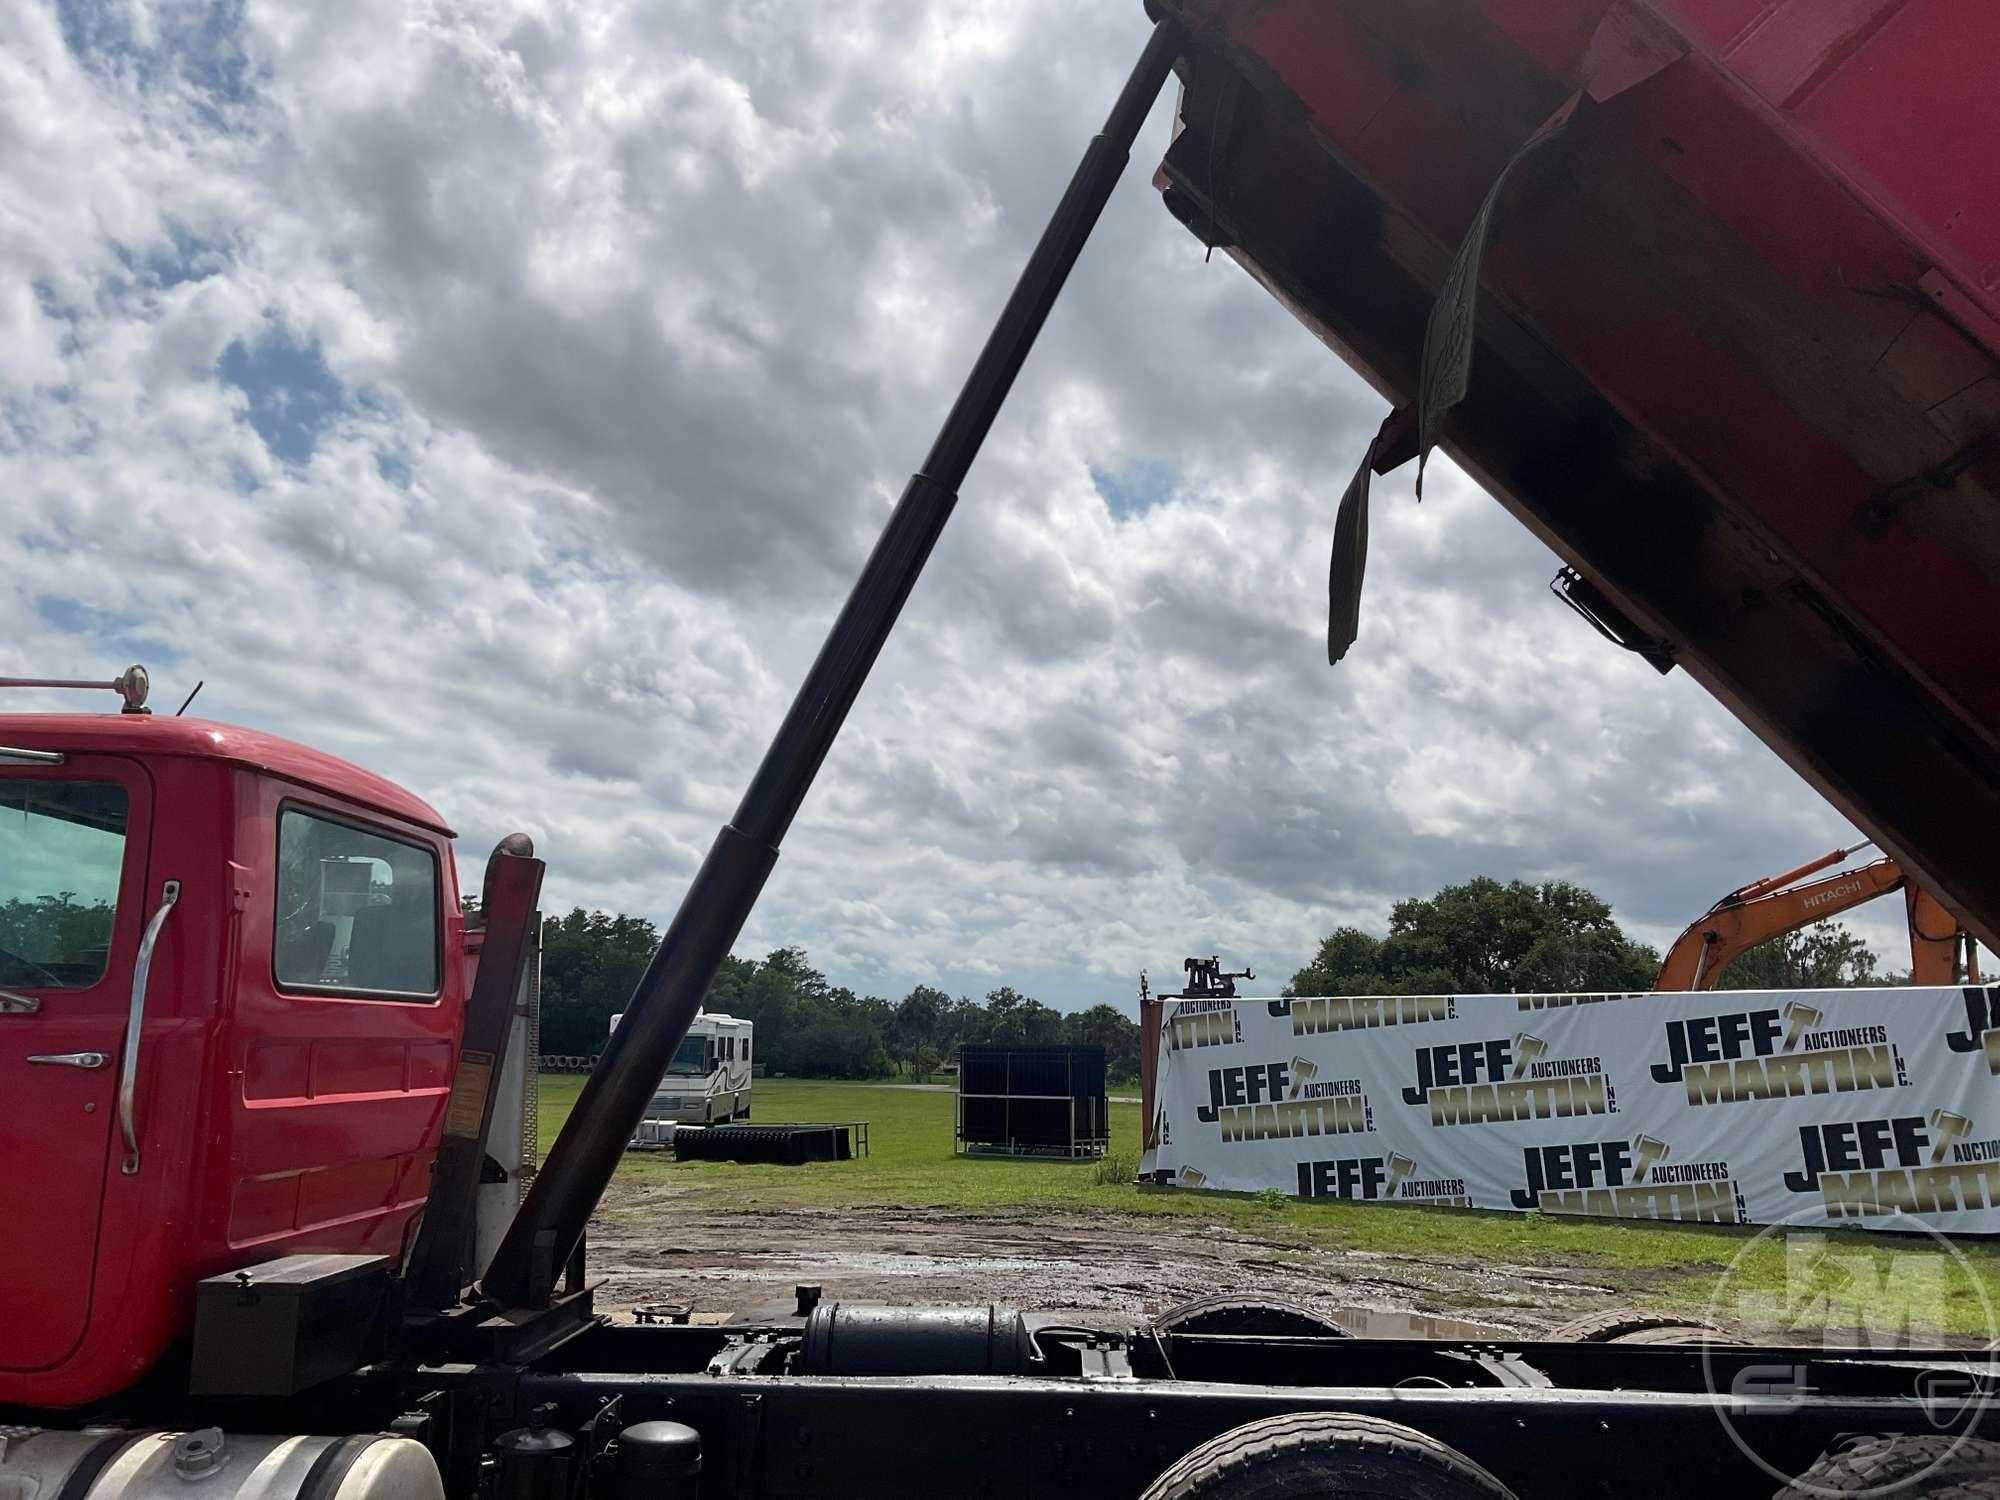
<point>1675,1266</point>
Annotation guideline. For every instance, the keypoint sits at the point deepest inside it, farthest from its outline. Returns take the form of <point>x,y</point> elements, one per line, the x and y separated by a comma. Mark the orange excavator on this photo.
<point>1779,904</point>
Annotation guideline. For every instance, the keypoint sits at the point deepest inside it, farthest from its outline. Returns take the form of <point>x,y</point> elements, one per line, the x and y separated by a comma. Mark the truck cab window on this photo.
<point>62,846</point>
<point>357,912</point>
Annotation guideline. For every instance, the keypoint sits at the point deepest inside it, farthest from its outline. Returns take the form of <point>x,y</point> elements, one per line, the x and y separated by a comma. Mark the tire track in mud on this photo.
<point>652,1244</point>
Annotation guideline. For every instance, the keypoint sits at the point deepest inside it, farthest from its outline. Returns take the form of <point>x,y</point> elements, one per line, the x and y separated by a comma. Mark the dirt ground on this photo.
<point>653,1248</point>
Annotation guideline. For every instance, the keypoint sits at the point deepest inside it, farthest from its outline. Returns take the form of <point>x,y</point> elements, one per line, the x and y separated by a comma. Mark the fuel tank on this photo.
<point>103,1463</point>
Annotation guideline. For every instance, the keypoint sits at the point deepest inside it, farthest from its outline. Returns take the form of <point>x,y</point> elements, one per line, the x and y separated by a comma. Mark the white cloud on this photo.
<point>602,338</point>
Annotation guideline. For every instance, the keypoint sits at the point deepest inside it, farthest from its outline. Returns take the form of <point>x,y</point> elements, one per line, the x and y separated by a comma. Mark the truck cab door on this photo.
<point>74,840</point>
<point>348,1002</point>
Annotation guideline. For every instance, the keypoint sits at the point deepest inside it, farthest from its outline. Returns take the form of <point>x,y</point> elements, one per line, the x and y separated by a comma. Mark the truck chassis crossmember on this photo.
<point>1104,1412</point>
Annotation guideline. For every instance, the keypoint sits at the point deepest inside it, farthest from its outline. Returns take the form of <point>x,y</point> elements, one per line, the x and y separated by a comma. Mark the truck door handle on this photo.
<point>128,1073</point>
<point>73,1059</point>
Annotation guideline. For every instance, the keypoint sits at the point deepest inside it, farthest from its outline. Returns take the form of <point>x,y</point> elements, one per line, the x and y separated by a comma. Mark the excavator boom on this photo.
<point>1770,908</point>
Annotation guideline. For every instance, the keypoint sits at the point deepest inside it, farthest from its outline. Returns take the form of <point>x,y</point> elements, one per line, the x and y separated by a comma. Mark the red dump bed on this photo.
<point>1736,342</point>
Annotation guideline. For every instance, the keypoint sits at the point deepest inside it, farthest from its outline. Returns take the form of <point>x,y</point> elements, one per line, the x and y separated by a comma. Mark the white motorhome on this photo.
<point>707,1081</point>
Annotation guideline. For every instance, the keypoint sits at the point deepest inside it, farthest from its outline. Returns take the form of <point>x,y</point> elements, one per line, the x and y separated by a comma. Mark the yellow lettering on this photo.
<point>1848,1194</point>
<point>1345,1013</point>
<point>1450,1107</point>
<point>1876,1065</point>
<point>1708,1083</point>
<point>1711,1202</point>
<point>1937,1190</point>
<point>1588,1095</point>
<point>1747,1080</point>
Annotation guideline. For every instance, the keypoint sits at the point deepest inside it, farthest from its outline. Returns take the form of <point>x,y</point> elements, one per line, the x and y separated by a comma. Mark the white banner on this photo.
<point>1735,1107</point>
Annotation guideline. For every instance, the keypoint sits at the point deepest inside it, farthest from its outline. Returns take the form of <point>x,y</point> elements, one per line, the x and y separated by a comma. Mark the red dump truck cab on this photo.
<point>232,977</point>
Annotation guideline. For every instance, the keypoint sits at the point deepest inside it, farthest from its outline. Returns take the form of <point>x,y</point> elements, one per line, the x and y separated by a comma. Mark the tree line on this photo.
<point>42,934</point>
<point>1478,937</point>
<point>1555,937</point>
<point>807,1027</point>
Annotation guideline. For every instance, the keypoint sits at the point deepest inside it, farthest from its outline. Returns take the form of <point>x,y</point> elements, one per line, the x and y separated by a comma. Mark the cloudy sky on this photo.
<point>504,396</point>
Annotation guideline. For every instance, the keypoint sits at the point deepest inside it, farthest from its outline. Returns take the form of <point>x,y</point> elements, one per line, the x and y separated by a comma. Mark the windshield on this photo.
<point>691,1057</point>
<point>62,844</point>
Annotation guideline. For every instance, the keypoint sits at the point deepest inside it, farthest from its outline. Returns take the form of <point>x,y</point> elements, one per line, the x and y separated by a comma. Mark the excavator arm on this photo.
<point>1935,940</point>
<point>1770,908</point>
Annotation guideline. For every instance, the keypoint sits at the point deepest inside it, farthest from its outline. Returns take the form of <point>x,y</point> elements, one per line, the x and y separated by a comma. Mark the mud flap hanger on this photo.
<point>1626,48</point>
<point>1412,430</point>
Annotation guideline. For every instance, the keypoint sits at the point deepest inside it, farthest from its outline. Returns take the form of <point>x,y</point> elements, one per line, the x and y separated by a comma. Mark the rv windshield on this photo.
<point>691,1057</point>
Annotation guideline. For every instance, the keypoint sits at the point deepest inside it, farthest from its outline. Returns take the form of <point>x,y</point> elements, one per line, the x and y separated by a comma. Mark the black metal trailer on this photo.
<point>518,1388</point>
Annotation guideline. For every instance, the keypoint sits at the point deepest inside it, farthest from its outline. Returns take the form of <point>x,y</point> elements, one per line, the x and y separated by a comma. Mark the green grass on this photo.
<point>1868,1277</point>
<point>909,1160</point>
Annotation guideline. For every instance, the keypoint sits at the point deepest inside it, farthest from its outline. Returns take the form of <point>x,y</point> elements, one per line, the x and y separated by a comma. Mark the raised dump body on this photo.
<point>1736,348</point>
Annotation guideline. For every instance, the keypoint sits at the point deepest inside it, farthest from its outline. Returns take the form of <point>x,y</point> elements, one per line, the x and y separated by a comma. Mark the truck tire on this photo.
<point>1627,1325</point>
<point>1325,1456</point>
<point>1933,1467</point>
<point>1224,1313</point>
